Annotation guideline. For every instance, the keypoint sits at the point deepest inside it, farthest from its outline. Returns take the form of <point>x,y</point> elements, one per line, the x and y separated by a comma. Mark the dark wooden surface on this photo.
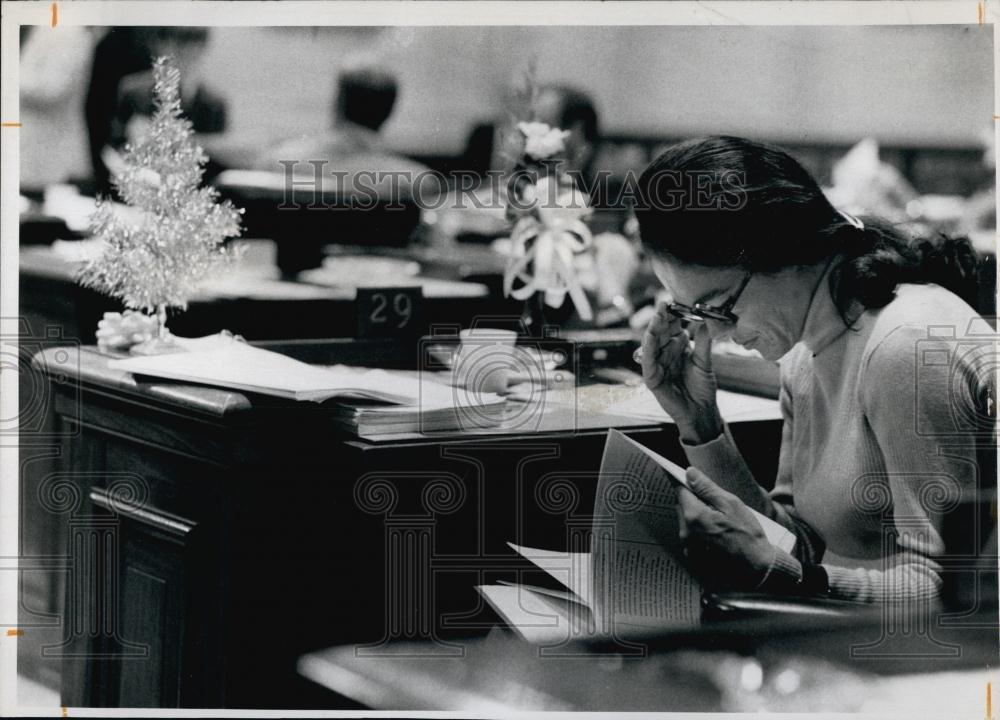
<point>51,298</point>
<point>56,311</point>
<point>233,533</point>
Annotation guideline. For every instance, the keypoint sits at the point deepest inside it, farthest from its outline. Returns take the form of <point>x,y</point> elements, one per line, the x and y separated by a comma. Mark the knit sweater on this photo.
<point>879,441</point>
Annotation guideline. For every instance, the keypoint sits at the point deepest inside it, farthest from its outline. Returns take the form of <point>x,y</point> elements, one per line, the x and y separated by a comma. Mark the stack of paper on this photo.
<point>370,401</point>
<point>426,416</point>
<point>240,366</point>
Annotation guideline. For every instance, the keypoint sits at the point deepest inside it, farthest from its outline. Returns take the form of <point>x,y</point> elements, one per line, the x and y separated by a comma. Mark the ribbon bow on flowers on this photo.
<point>543,243</point>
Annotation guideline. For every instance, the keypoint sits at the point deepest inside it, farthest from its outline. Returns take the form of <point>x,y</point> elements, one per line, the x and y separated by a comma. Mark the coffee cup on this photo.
<point>486,360</point>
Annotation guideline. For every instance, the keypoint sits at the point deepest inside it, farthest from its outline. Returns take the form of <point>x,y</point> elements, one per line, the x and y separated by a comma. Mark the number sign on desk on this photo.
<point>388,312</point>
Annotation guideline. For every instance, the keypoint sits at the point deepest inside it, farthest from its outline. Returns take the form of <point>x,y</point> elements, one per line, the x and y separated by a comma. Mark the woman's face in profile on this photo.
<point>770,310</point>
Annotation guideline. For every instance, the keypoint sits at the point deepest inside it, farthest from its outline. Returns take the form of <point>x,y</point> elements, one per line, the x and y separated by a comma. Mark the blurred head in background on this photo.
<point>365,97</point>
<point>571,109</point>
<point>559,106</point>
<point>186,45</point>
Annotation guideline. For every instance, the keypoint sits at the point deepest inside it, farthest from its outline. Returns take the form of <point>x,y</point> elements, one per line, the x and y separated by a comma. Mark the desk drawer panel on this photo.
<point>165,481</point>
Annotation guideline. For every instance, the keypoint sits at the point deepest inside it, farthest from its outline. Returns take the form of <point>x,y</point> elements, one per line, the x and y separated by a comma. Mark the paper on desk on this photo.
<point>262,283</point>
<point>78,251</point>
<point>258,179</point>
<point>564,595</point>
<point>571,569</point>
<point>432,288</point>
<point>224,362</point>
<point>734,407</point>
<point>539,616</point>
<point>243,367</point>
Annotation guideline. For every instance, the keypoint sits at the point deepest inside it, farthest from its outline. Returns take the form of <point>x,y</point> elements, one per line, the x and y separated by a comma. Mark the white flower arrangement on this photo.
<point>548,212</point>
<point>544,243</point>
<point>541,141</point>
<point>548,235</point>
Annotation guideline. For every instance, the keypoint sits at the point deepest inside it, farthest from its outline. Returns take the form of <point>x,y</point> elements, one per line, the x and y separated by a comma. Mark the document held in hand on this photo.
<point>633,580</point>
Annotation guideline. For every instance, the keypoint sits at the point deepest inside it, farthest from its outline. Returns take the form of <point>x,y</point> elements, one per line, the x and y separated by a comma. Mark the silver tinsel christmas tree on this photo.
<point>156,254</point>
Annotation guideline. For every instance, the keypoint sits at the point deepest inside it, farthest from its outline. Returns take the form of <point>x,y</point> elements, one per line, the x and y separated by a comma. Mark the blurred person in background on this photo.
<point>864,183</point>
<point>347,162</point>
<point>134,108</point>
<point>363,102</point>
<point>572,110</point>
<point>981,212</point>
<point>120,52</point>
<point>55,71</point>
<point>558,106</point>
<point>608,276</point>
<point>607,272</point>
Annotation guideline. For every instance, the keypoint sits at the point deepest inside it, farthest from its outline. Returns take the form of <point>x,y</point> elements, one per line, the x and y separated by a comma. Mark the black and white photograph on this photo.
<point>498,358</point>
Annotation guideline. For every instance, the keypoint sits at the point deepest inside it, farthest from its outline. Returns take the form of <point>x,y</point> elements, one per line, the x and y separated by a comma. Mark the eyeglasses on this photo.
<point>700,312</point>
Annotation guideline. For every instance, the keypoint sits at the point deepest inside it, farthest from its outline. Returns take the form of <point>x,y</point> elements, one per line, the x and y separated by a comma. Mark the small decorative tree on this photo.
<point>172,235</point>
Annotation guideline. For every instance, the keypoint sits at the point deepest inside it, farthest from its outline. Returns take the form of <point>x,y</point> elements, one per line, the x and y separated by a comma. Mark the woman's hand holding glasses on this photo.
<point>680,376</point>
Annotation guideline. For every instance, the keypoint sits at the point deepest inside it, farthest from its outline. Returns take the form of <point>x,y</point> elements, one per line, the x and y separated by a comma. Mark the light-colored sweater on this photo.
<point>878,443</point>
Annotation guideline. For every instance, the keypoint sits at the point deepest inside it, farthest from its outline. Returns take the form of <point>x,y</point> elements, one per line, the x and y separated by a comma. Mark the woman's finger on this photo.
<point>662,341</point>
<point>702,354</point>
<point>674,325</point>
<point>653,376</point>
<point>661,318</point>
<point>663,326</point>
<point>707,491</point>
<point>665,323</point>
<point>650,353</point>
<point>671,357</point>
<point>692,507</point>
<point>652,348</point>
<point>674,346</point>
<point>663,362</point>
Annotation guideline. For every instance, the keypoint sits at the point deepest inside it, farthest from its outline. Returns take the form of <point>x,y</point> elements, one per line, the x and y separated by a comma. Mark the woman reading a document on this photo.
<point>886,374</point>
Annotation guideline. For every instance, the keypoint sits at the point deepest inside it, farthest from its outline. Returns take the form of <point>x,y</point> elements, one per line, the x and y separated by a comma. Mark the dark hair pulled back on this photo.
<point>727,201</point>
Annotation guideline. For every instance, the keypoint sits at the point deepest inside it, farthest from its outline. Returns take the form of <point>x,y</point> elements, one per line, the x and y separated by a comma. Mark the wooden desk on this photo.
<point>235,533</point>
<point>55,311</point>
<point>252,302</point>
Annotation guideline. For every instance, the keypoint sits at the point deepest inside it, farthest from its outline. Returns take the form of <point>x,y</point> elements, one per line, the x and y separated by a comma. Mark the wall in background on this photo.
<point>902,85</point>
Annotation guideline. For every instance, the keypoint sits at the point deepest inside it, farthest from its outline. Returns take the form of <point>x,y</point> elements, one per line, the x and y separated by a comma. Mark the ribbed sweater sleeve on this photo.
<point>721,460</point>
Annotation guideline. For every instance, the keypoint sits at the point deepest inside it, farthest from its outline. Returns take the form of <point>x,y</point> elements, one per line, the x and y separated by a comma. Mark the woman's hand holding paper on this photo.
<point>725,546</point>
